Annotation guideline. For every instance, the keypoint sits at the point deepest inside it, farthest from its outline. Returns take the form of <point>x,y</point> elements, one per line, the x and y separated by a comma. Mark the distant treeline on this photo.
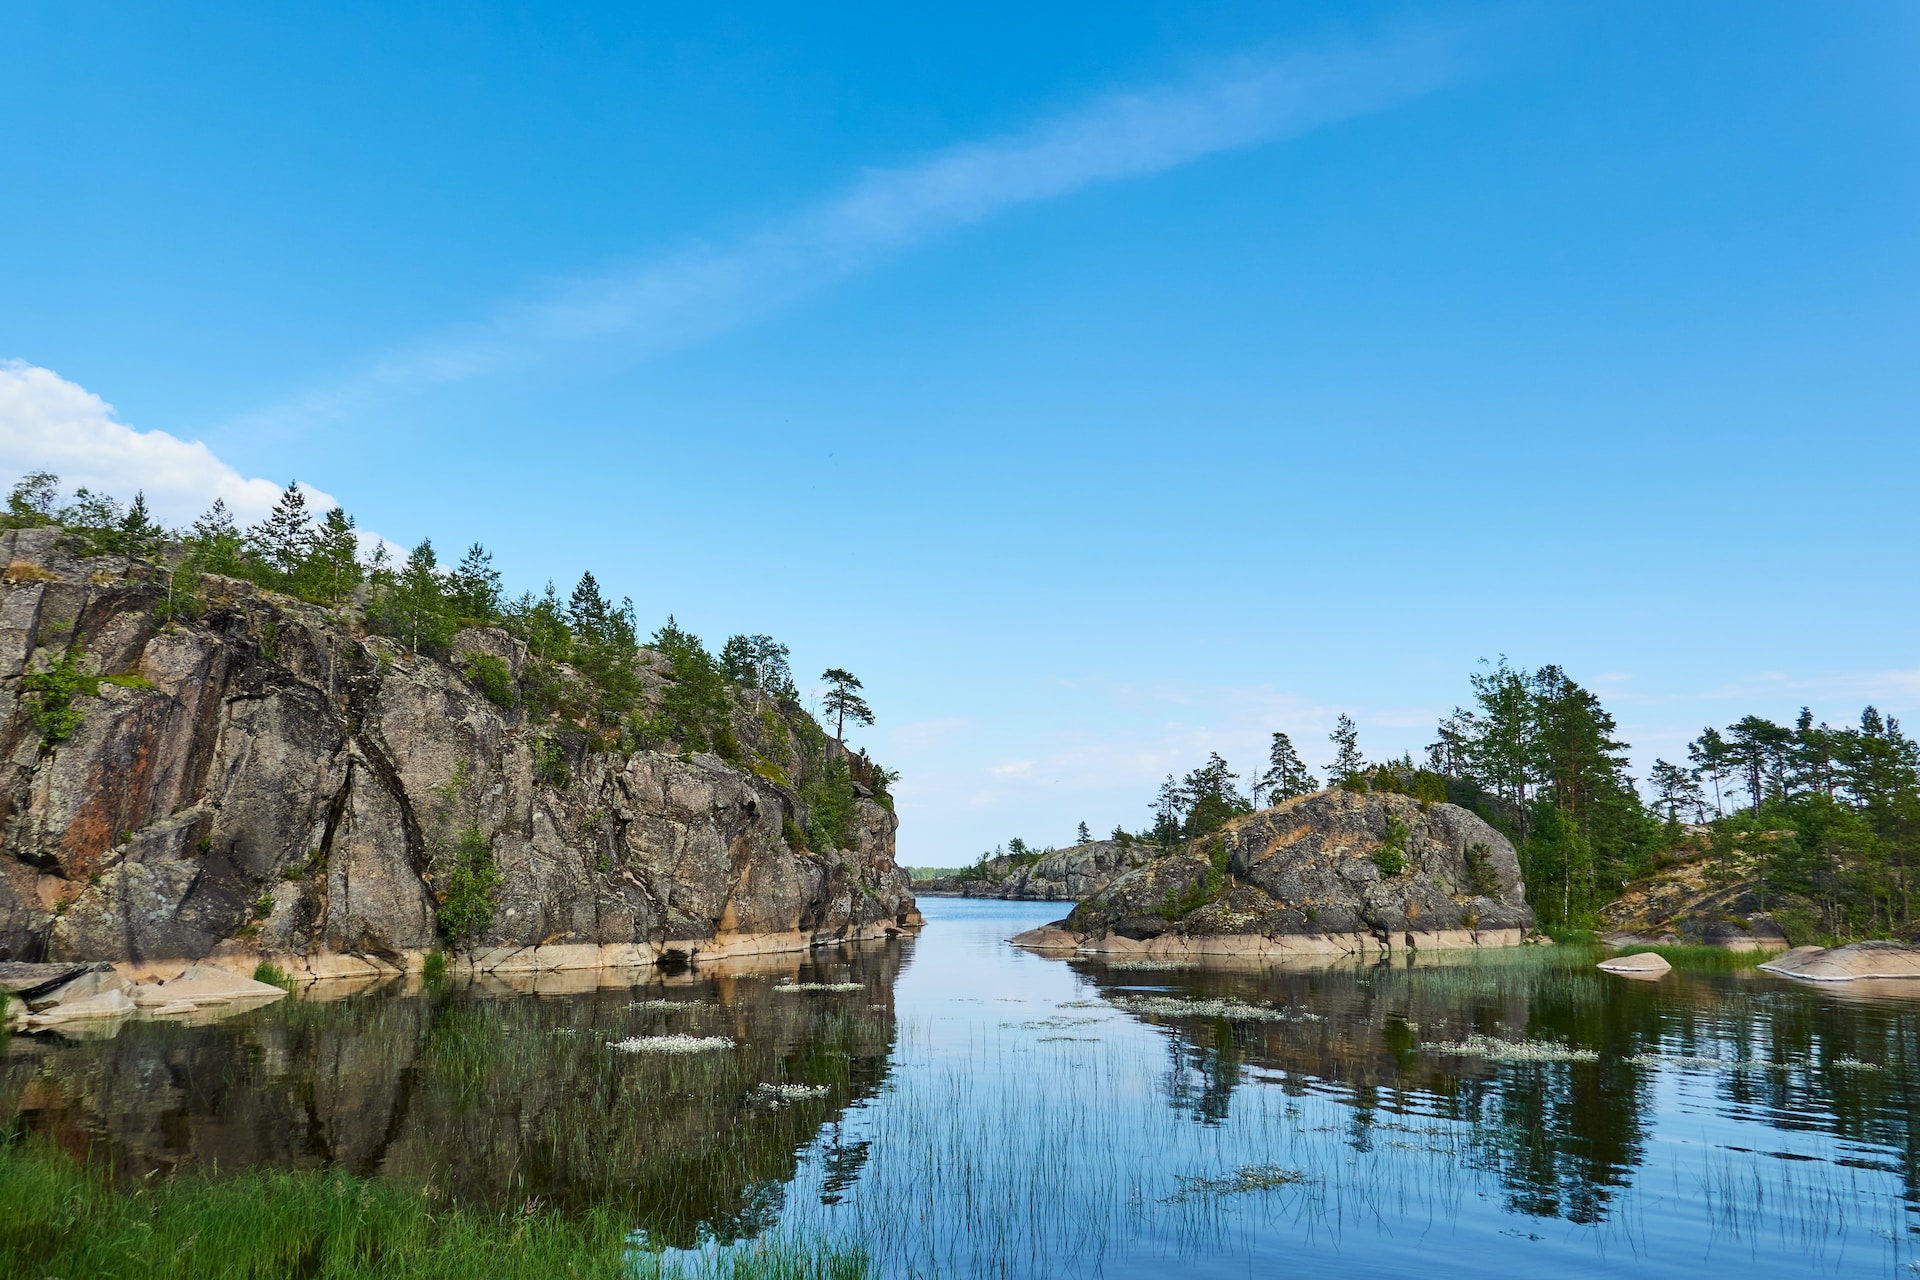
<point>583,651</point>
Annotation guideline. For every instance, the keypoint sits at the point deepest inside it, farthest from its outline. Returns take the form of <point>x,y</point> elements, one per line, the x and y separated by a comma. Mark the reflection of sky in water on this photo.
<point>1017,1135</point>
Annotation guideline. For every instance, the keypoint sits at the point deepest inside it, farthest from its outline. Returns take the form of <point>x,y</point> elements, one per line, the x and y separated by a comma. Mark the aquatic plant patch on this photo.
<point>1147,966</point>
<point>1497,1050</point>
<point>669,1006</point>
<point>1232,1010</point>
<point>1248,1177</point>
<point>671,1044</point>
<point>780,1095</point>
<point>819,986</point>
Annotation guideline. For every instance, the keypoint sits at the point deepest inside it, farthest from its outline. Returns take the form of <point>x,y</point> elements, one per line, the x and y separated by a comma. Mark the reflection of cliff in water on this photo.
<point>491,1099</point>
<point>1562,1137</point>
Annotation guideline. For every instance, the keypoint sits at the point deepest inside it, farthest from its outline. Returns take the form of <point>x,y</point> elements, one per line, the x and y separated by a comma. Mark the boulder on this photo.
<point>108,1004</point>
<point>1845,964</point>
<point>203,984</point>
<point>97,980</point>
<point>1644,964</point>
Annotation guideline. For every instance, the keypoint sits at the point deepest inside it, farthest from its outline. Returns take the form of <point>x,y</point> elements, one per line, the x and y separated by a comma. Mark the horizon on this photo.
<point>1103,400</point>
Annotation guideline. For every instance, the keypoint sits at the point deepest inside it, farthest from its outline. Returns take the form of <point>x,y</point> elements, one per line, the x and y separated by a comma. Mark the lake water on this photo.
<point>963,1108</point>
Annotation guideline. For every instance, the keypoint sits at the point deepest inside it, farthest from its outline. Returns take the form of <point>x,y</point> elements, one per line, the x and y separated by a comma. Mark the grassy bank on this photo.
<point>60,1218</point>
<point>1714,958</point>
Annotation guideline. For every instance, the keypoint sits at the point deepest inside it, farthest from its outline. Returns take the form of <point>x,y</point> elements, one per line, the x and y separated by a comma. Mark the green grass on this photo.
<point>60,1218</point>
<point>273,975</point>
<point>1710,958</point>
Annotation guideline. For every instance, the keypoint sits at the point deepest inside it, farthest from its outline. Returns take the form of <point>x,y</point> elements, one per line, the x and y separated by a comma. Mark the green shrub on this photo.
<point>790,832</point>
<point>1482,880</point>
<point>550,764</point>
<point>54,690</point>
<point>467,909</point>
<point>834,818</point>
<point>1391,856</point>
<point>263,906</point>
<point>434,967</point>
<point>273,975</point>
<point>1428,787</point>
<point>492,677</point>
<point>1355,782</point>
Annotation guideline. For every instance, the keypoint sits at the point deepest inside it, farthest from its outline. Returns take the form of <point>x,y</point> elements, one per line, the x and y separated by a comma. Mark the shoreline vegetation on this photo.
<point>59,1217</point>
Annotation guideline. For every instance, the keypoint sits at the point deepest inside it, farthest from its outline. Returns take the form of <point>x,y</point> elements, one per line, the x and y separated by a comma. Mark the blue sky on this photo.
<point>1105,385</point>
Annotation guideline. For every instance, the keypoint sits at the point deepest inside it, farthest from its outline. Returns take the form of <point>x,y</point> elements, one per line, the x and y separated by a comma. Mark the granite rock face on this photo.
<point>1315,875</point>
<point>1059,875</point>
<point>265,777</point>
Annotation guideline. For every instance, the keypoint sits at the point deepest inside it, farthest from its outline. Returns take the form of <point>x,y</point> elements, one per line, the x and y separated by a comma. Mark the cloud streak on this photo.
<point>695,293</point>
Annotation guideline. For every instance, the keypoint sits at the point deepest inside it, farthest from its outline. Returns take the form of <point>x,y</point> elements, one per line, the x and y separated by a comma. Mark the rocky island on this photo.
<point>1332,873</point>
<point>194,767</point>
<point>1054,875</point>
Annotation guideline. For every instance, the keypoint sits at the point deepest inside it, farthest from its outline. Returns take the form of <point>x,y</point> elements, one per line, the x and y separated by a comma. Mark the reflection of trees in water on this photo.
<point>488,1101</point>
<point>1562,1138</point>
<point>1202,1071</point>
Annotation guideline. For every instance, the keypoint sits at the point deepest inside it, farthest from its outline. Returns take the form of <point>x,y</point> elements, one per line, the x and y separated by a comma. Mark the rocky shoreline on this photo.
<point>1058,875</point>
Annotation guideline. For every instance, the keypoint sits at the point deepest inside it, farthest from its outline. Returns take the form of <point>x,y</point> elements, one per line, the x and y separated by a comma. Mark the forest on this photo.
<point>584,651</point>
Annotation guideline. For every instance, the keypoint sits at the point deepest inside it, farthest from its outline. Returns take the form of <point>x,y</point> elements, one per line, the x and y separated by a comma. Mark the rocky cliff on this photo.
<point>1058,875</point>
<point>1330,873</point>
<point>248,774</point>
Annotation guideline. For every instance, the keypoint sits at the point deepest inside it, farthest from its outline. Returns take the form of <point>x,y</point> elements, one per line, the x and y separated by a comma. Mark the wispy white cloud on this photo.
<point>698,291</point>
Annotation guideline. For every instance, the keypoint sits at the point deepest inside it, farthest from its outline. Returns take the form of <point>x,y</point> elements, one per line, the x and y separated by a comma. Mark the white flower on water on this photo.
<point>671,1044</point>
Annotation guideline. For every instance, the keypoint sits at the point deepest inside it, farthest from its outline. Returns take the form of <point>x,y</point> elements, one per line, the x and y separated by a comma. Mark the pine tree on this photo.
<point>587,610</point>
<point>1347,760</point>
<point>1286,774</point>
<point>138,532</point>
<point>1713,760</point>
<point>474,587</point>
<point>282,539</point>
<point>843,701</point>
<point>416,607</point>
<point>331,568</point>
<point>1674,788</point>
<point>1083,835</point>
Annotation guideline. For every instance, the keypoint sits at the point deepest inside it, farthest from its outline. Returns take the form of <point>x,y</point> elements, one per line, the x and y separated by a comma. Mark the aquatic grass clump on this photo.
<point>1704,1064</point>
<point>1496,1050</point>
<point>61,1218</point>
<point>819,986</point>
<point>1709,959</point>
<point>1232,1010</point>
<point>779,1095</point>
<point>1149,966</point>
<point>669,1006</point>
<point>1248,1177</point>
<point>671,1044</point>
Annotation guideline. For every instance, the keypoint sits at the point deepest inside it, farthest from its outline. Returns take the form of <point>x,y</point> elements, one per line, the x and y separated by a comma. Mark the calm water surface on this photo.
<point>967,1109</point>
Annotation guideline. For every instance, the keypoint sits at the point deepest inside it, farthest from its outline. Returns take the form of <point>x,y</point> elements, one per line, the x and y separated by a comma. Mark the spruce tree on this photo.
<point>474,587</point>
<point>281,540</point>
<point>1347,760</point>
